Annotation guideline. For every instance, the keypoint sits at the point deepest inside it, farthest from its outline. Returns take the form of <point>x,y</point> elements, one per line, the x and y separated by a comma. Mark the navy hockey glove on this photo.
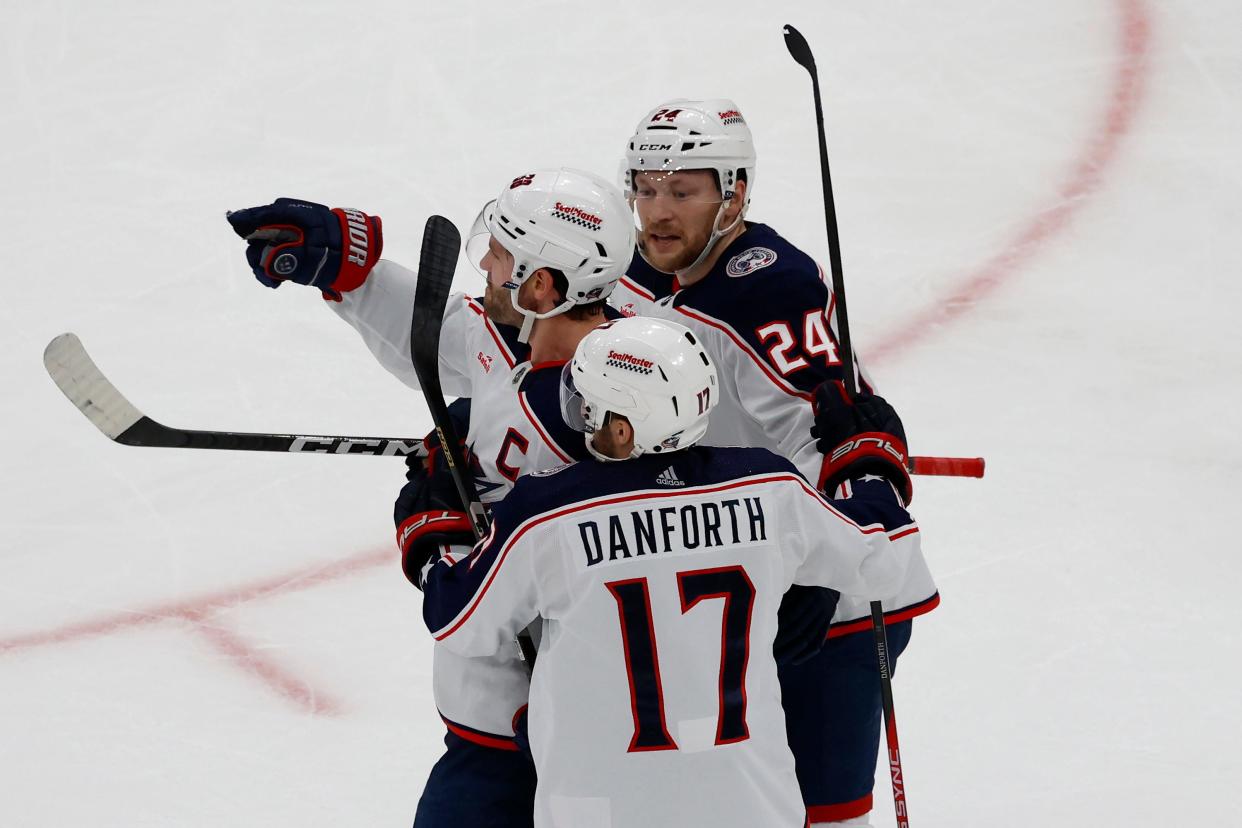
<point>428,512</point>
<point>802,623</point>
<point>858,437</point>
<point>308,243</point>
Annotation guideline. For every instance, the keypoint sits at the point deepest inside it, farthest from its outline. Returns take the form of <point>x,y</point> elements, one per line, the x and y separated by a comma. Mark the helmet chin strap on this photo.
<point>529,316</point>
<point>599,455</point>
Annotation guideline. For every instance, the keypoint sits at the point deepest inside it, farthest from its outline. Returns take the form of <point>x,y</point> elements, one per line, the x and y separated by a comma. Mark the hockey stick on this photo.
<point>800,51</point>
<point>436,264</point>
<point>77,376</point>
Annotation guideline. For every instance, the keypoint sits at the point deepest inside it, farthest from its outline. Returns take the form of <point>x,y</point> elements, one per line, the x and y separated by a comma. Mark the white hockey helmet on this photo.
<point>693,135</point>
<point>566,220</point>
<point>653,372</point>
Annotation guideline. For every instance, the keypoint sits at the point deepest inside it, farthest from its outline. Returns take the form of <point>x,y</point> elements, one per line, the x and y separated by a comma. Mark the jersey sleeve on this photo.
<point>776,342</point>
<point>476,605</point>
<point>379,311</point>
<point>861,547</point>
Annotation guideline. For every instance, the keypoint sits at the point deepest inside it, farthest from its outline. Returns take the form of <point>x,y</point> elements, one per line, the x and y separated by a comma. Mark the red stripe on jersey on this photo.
<point>496,337</point>
<point>530,415</point>
<point>480,738</point>
<point>910,530</point>
<point>523,528</point>
<point>841,811</point>
<point>894,617</point>
<point>636,288</point>
<point>742,344</point>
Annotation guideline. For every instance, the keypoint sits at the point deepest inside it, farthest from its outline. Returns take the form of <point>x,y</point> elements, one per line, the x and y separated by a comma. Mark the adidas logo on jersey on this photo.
<point>668,477</point>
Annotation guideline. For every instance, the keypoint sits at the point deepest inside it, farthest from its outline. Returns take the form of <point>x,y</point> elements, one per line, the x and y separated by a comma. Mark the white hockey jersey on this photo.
<point>655,699</point>
<point>764,314</point>
<point>515,428</point>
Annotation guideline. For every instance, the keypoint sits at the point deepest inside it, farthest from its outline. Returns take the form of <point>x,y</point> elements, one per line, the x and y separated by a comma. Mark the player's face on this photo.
<point>676,212</point>
<point>497,263</point>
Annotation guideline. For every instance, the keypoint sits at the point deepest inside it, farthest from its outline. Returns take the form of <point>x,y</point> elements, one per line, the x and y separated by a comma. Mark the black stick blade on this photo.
<point>799,49</point>
<point>436,265</point>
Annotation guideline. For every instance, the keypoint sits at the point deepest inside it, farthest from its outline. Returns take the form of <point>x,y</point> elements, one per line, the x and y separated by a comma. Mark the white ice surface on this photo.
<point>1078,158</point>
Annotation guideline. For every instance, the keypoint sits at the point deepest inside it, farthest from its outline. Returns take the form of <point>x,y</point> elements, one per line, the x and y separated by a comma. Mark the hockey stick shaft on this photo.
<point>81,381</point>
<point>437,262</point>
<point>947,466</point>
<point>800,51</point>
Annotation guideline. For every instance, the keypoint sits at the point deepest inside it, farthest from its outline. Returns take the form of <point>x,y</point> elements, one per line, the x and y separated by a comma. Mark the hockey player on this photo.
<point>546,286</point>
<point>657,567</point>
<point>762,309</point>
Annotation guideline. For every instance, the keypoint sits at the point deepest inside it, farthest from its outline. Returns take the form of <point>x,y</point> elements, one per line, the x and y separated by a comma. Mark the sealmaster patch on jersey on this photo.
<point>748,261</point>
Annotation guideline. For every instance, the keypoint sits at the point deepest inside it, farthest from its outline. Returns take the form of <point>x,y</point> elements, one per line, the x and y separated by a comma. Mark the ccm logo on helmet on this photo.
<point>880,443</point>
<point>656,147</point>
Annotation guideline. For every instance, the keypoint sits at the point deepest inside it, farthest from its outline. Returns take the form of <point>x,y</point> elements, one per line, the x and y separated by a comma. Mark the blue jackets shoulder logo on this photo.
<point>748,261</point>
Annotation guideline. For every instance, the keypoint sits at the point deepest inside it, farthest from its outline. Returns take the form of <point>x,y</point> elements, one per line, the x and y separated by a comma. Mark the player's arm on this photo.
<point>864,443</point>
<point>862,553</point>
<point>477,606</point>
<point>781,346</point>
<point>338,252</point>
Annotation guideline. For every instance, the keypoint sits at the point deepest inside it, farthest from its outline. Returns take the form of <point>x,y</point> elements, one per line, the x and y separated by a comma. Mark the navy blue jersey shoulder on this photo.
<point>448,589</point>
<point>509,335</point>
<point>774,297</point>
<point>642,274</point>
<point>550,490</point>
<point>541,389</point>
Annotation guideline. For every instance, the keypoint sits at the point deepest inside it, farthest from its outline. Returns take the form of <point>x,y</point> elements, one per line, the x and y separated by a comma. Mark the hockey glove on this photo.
<point>308,243</point>
<point>859,437</point>
<point>802,623</point>
<point>428,512</point>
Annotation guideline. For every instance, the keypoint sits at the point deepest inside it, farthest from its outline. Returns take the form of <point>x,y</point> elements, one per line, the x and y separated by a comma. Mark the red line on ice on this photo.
<point>198,610</point>
<point>252,662</point>
<point>1085,178</point>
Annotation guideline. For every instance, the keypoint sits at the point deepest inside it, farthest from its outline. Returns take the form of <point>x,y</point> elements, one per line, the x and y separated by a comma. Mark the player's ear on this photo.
<point>622,432</point>
<point>543,289</point>
<point>737,202</point>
